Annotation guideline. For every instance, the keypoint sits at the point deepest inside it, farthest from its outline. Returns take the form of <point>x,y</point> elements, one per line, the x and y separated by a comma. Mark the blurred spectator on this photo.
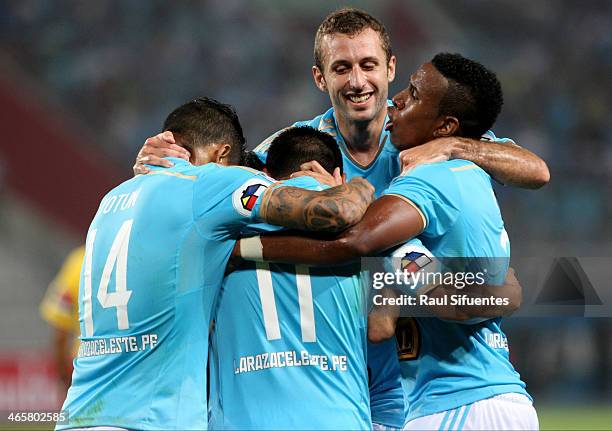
<point>60,309</point>
<point>120,64</point>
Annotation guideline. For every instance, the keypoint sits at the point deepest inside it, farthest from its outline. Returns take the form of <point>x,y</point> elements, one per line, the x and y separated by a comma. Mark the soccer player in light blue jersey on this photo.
<point>461,376</point>
<point>288,349</point>
<point>354,65</point>
<point>155,256</point>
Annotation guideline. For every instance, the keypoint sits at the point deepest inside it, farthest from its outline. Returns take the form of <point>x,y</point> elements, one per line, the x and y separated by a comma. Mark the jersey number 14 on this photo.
<point>117,257</point>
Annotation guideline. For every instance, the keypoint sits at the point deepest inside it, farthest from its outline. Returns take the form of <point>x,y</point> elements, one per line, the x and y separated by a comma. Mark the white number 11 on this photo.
<point>268,304</point>
<point>119,299</point>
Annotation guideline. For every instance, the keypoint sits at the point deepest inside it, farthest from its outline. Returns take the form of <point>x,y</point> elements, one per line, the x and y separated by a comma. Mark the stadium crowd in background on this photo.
<point>86,52</point>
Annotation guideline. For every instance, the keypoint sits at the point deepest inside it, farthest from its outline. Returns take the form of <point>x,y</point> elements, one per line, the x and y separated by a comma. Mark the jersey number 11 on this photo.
<point>268,304</point>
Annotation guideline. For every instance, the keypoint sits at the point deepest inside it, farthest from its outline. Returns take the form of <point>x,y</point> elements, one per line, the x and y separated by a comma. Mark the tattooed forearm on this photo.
<point>331,210</point>
<point>507,163</point>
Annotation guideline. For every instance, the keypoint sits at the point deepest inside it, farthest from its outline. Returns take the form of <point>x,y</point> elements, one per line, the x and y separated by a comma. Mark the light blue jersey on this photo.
<point>155,256</point>
<point>379,173</point>
<point>289,347</point>
<point>450,364</point>
<point>387,397</point>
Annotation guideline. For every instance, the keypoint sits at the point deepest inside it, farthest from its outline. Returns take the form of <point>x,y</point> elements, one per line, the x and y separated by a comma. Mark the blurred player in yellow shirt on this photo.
<point>60,309</point>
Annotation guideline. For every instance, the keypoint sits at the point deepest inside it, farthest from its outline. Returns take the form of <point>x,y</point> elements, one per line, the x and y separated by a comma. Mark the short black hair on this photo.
<point>297,145</point>
<point>251,160</point>
<point>474,94</point>
<point>205,121</point>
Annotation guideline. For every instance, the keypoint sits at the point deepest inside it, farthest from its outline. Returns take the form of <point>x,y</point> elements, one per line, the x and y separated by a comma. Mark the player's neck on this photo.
<point>362,138</point>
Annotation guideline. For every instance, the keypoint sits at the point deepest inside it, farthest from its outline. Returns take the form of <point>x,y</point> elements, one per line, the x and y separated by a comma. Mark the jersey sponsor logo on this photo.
<point>414,261</point>
<point>291,358</point>
<point>112,345</point>
<point>245,197</point>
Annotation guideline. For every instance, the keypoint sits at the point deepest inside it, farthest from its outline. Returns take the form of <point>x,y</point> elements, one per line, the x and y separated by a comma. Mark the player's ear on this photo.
<point>319,79</point>
<point>448,126</point>
<point>222,154</point>
<point>391,68</point>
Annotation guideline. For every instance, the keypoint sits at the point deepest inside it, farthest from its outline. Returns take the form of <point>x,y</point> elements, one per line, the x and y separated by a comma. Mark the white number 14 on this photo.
<point>119,299</point>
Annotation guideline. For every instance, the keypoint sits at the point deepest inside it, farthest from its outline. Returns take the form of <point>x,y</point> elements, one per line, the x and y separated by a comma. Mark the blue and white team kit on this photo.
<point>295,327</point>
<point>145,305</point>
<point>288,350</point>
<point>462,219</point>
<point>387,404</point>
<point>458,371</point>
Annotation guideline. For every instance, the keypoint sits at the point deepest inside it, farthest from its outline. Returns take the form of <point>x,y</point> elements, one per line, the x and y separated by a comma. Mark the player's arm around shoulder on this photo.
<point>400,214</point>
<point>330,210</point>
<point>389,221</point>
<point>507,162</point>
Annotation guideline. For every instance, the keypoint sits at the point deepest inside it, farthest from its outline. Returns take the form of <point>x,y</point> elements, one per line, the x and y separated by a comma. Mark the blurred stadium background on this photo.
<point>83,83</point>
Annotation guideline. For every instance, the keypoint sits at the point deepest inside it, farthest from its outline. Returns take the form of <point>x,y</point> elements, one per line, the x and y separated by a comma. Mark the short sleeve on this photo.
<point>433,191</point>
<point>225,200</point>
<point>303,182</point>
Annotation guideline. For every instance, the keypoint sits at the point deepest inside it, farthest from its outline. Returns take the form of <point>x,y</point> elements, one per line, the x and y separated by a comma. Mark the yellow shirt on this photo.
<point>60,306</point>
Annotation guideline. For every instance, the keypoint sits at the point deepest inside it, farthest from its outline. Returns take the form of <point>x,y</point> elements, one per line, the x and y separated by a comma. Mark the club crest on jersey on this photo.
<point>414,261</point>
<point>245,197</point>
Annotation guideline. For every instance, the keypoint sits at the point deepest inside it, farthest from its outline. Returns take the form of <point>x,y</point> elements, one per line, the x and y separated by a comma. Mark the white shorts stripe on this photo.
<point>456,415</point>
<point>465,415</point>
<point>502,412</point>
<point>444,420</point>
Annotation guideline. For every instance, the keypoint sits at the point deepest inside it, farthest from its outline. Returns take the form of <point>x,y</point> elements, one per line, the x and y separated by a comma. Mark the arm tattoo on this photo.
<point>330,210</point>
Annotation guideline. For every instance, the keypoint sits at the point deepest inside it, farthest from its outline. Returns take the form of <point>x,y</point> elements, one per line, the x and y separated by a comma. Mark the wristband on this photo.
<point>251,248</point>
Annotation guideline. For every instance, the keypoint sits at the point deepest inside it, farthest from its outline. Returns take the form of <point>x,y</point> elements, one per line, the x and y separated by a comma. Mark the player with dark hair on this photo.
<point>155,257</point>
<point>474,94</point>
<point>278,327</point>
<point>469,99</point>
<point>250,160</point>
<point>461,375</point>
<point>290,335</point>
<point>204,124</point>
<point>298,145</point>
<point>354,65</point>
